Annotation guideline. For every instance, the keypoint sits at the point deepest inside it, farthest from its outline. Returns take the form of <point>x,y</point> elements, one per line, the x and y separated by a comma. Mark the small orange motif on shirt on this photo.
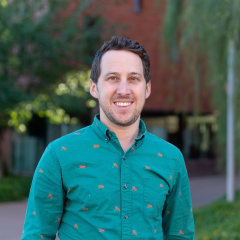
<point>66,204</point>
<point>76,226</point>
<point>59,220</point>
<point>63,148</point>
<point>40,170</point>
<point>180,232</point>
<point>191,209</point>
<point>146,167</point>
<point>70,189</point>
<point>100,186</point>
<point>77,133</point>
<point>84,208</point>
<point>161,185</point>
<point>155,230</point>
<point>42,237</point>
<point>171,177</point>
<point>115,165</point>
<point>168,213</point>
<point>134,188</point>
<point>133,148</point>
<point>95,146</point>
<point>101,230</point>
<point>149,206</point>
<point>33,213</point>
<point>50,196</point>
<point>159,154</point>
<point>117,209</point>
<point>134,232</point>
<point>180,193</point>
<point>81,166</point>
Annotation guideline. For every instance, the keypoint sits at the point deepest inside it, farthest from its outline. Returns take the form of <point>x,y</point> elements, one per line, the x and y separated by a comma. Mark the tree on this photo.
<point>38,47</point>
<point>69,102</point>
<point>204,29</point>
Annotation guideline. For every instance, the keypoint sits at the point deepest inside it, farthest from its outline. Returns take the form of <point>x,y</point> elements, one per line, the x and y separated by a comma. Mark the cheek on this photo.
<point>106,93</point>
<point>140,95</point>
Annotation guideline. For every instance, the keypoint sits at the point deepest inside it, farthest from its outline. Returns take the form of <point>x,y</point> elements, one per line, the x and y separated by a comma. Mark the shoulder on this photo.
<point>73,138</point>
<point>167,149</point>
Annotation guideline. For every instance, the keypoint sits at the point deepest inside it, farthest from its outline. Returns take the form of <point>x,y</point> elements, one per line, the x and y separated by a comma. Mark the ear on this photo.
<point>93,89</point>
<point>148,89</point>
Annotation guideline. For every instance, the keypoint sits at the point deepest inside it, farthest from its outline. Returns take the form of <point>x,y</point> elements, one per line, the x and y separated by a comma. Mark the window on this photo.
<point>137,6</point>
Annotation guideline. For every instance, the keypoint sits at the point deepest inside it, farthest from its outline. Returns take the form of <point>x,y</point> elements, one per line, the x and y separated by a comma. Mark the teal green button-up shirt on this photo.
<point>86,187</point>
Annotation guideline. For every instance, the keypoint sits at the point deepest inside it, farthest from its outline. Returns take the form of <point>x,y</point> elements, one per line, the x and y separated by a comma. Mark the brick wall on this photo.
<point>171,90</point>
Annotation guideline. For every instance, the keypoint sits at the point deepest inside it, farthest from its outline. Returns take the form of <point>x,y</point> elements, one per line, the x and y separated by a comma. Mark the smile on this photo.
<point>123,104</point>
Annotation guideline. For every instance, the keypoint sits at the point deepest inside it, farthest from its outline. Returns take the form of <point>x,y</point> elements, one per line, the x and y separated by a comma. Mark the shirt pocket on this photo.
<point>155,191</point>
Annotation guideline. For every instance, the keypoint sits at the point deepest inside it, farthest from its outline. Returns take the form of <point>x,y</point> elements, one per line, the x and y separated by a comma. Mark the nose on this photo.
<point>123,87</point>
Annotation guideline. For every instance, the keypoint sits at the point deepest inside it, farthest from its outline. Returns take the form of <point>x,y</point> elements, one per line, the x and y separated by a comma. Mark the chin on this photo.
<point>125,121</point>
<point>120,119</point>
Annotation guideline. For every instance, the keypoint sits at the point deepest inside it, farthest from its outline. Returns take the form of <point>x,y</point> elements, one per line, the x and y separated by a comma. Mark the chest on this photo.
<point>106,180</point>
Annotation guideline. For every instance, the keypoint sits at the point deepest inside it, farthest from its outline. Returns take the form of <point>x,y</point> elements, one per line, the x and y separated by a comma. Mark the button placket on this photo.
<point>126,199</point>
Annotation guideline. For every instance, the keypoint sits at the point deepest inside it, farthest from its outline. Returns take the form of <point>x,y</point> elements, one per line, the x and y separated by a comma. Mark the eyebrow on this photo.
<point>109,73</point>
<point>135,73</point>
<point>116,73</point>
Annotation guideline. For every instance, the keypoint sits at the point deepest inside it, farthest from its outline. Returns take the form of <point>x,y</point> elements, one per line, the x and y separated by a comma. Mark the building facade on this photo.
<point>179,108</point>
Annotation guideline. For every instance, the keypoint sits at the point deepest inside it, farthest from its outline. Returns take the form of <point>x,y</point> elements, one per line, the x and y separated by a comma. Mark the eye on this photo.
<point>112,78</point>
<point>134,79</point>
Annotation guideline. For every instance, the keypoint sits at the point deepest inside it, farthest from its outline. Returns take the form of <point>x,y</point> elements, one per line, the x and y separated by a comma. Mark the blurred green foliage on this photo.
<point>69,101</point>
<point>219,220</point>
<point>14,188</point>
<point>202,31</point>
<point>42,48</point>
<point>39,45</point>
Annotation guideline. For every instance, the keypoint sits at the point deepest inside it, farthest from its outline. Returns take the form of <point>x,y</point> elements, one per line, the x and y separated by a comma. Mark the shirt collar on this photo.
<point>105,132</point>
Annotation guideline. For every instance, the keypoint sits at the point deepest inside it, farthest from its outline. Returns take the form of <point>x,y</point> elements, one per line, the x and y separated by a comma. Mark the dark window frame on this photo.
<point>137,6</point>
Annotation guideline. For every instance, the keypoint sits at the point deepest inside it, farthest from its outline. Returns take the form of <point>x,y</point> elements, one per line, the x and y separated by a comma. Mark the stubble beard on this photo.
<point>111,117</point>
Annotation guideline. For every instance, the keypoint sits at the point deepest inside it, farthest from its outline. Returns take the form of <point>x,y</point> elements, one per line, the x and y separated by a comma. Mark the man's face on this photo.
<point>121,89</point>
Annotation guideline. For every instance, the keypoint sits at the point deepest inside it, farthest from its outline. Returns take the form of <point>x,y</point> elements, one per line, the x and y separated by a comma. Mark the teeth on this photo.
<point>122,104</point>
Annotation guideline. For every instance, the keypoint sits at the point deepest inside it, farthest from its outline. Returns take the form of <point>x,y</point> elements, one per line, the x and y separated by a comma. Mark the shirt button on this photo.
<point>110,134</point>
<point>126,216</point>
<point>106,139</point>
<point>125,186</point>
<point>124,157</point>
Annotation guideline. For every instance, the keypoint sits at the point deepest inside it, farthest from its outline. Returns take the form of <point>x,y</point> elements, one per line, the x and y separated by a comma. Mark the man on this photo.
<point>112,179</point>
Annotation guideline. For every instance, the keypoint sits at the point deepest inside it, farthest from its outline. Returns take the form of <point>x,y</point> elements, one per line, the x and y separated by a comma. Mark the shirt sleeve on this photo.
<point>178,222</point>
<point>46,199</point>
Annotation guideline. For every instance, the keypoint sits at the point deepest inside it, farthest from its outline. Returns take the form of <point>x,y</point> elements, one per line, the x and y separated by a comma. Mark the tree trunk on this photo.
<point>1,154</point>
<point>4,153</point>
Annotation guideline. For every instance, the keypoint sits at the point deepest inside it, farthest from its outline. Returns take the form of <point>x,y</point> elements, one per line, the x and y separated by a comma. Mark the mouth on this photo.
<point>123,105</point>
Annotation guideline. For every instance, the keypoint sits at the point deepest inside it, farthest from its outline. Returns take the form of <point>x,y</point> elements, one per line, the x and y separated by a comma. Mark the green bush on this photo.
<point>13,188</point>
<point>219,220</point>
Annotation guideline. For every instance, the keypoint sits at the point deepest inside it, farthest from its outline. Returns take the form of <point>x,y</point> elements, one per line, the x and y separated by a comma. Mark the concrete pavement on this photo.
<point>204,190</point>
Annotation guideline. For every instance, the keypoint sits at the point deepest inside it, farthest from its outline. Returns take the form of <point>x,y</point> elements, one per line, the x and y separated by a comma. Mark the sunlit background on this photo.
<point>46,52</point>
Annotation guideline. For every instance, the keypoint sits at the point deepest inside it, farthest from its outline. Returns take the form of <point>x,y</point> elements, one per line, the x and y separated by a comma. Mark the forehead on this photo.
<point>121,61</point>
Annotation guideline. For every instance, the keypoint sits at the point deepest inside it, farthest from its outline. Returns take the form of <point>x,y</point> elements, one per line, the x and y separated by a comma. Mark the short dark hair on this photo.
<point>121,43</point>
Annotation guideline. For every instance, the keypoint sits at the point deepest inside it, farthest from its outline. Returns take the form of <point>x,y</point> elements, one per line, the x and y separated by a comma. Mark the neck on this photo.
<point>126,135</point>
